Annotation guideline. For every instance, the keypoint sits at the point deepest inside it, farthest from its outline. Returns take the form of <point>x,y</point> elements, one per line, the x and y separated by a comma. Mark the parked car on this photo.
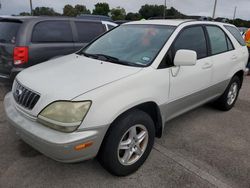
<point>113,97</point>
<point>106,20</point>
<point>26,41</point>
<point>95,17</point>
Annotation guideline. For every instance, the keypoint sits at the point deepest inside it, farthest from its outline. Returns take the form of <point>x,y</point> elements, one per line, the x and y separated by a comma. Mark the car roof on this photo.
<point>43,18</point>
<point>175,22</point>
<point>171,22</point>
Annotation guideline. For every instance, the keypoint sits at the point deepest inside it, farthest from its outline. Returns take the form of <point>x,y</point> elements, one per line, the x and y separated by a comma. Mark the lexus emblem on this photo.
<point>19,92</point>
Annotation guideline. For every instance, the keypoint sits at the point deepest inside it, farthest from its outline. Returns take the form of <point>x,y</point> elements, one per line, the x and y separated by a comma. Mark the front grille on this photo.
<point>25,97</point>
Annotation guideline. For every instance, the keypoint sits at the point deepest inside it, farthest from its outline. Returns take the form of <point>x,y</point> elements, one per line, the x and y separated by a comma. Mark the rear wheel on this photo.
<point>229,97</point>
<point>127,143</point>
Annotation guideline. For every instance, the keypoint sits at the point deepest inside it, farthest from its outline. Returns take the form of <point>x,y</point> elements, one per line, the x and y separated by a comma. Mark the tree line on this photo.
<point>145,12</point>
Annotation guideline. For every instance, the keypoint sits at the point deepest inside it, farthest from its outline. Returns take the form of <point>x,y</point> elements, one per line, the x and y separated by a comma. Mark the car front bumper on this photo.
<point>54,144</point>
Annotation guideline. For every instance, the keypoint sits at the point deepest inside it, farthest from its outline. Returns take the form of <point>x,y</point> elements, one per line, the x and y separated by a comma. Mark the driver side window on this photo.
<point>191,38</point>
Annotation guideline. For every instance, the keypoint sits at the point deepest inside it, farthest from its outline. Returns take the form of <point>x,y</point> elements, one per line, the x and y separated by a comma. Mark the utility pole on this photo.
<point>215,5</point>
<point>31,8</point>
<point>0,5</point>
<point>164,11</point>
<point>235,9</point>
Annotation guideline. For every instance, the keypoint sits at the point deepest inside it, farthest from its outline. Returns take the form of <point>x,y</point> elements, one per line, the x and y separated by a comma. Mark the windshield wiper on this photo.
<point>104,57</point>
<point>88,55</point>
<point>112,59</point>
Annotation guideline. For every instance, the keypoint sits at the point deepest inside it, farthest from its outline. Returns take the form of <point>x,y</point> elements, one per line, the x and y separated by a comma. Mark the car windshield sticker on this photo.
<point>146,58</point>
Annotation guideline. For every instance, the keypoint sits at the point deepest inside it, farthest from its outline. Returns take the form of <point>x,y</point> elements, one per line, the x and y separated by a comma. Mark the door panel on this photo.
<point>222,65</point>
<point>42,52</point>
<point>190,87</point>
<point>189,84</point>
<point>52,38</point>
<point>190,79</point>
<point>223,55</point>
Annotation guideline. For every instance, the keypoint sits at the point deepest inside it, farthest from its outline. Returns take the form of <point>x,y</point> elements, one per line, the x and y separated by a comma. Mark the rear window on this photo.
<point>87,31</point>
<point>236,33</point>
<point>8,31</point>
<point>52,31</point>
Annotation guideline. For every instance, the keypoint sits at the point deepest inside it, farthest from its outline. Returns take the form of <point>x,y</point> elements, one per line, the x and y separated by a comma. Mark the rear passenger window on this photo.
<point>218,40</point>
<point>236,33</point>
<point>87,31</point>
<point>229,44</point>
<point>52,31</point>
<point>192,38</point>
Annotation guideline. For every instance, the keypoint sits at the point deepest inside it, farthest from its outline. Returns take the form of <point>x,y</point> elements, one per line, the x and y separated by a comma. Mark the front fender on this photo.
<point>116,98</point>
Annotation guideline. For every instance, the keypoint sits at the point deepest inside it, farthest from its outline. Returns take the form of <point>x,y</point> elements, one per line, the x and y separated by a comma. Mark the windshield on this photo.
<point>8,31</point>
<point>135,45</point>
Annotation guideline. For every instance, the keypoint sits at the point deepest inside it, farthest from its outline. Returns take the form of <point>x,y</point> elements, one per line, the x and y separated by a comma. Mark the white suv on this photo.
<point>112,98</point>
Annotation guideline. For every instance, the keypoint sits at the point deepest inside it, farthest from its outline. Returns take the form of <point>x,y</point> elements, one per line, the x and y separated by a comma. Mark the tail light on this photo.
<point>21,55</point>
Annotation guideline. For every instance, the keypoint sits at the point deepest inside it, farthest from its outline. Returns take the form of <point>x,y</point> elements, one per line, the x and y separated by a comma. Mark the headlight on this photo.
<point>65,116</point>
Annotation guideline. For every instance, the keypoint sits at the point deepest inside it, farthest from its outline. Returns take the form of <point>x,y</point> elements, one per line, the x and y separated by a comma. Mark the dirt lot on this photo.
<point>203,148</point>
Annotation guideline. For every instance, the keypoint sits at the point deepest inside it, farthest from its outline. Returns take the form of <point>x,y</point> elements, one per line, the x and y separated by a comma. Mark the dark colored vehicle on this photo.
<point>26,41</point>
<point>120,22</point>
<point>95,17</point>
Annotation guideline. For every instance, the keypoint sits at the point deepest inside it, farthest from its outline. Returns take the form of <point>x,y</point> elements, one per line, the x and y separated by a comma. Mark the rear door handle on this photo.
<point>207,65</point>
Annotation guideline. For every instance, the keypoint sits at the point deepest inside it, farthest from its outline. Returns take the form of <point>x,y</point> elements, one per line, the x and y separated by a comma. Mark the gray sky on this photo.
<point>225,8</point>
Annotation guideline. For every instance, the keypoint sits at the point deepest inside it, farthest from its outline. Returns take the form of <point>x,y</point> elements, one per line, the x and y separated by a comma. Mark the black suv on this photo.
<point>26,41</point>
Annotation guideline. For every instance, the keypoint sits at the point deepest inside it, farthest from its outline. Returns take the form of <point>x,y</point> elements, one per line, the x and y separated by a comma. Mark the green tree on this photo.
<point>240,23</point>
<point>118,13</point>
<point>24,14</point>
<point>148,11</point>
<point>133,16</point>
<point>81,9</point>
<point>69,10</point>
<point>173,12</point>
<point>44,11</point>
<point>101,9</point>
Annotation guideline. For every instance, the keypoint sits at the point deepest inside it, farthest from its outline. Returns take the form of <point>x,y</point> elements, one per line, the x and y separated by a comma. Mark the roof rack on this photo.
<point>200,18</point>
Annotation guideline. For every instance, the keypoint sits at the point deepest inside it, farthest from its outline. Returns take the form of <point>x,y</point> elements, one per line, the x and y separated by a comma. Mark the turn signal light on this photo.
<point>83,146</point>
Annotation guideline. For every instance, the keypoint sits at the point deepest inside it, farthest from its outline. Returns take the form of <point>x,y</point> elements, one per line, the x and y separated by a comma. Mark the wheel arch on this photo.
<point>152,109</point>
<point>240,75</point>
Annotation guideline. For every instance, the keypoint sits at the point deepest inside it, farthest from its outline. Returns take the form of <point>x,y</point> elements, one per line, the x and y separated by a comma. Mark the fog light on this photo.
<point>83,146</point>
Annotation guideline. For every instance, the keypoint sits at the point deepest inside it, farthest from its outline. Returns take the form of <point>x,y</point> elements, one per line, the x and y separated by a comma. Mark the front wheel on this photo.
<point>229,97</point>
<point>127,143</point>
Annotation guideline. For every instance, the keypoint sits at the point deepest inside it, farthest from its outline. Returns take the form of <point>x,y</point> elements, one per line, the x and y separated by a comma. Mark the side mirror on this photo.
<point>185,58</point>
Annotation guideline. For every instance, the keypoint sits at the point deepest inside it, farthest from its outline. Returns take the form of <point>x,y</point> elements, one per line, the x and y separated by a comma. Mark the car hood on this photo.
<point>67,77</point>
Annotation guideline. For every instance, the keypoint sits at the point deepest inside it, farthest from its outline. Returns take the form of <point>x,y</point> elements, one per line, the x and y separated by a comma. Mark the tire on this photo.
<point>112,158</point>
<point>224,103</point>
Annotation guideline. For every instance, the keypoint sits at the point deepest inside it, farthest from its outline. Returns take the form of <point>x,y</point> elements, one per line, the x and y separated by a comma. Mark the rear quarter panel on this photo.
<point>242,56</point>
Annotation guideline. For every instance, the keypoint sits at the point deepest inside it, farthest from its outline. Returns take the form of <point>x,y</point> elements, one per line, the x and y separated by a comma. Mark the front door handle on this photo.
<point>234,57</point>
<point>207,65</point>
